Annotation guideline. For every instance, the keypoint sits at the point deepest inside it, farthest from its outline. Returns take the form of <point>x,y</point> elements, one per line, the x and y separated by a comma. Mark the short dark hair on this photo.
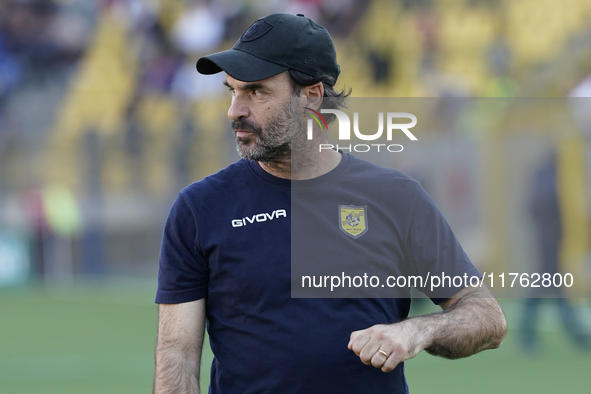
<point>299,80</point>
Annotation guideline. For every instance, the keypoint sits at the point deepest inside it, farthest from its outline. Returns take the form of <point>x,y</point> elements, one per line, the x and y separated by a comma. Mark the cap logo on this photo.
<point>258,29</point>
<point>308,60</point>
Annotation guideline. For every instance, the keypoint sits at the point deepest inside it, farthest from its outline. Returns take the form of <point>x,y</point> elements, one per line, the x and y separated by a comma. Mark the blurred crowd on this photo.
<point>39,40</point>
<point>44,39</point>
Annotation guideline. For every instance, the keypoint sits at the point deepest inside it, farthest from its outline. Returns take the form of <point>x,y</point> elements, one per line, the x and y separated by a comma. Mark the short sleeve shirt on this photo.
<point>229,239</point>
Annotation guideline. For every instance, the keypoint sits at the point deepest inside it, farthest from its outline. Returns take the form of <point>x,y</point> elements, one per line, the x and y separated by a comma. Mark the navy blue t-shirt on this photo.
<point>228,238</point>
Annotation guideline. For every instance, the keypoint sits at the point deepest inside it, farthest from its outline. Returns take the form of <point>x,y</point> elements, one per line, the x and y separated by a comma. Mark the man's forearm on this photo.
<point>474,323</point>
<point>178,347</point>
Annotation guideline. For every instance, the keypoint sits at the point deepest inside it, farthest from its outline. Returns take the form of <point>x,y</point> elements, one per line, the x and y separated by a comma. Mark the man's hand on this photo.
<point>385,345</point>
<point>471,321</point>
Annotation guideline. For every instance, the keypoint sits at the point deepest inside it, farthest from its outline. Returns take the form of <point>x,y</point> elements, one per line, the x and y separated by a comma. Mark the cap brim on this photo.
<point>239,65</point>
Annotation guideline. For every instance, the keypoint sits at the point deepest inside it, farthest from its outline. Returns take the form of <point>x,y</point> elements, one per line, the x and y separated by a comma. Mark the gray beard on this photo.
<point>282,144</point>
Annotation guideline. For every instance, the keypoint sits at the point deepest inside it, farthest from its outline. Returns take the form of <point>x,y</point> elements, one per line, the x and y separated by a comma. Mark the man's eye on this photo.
<point>256,92</point>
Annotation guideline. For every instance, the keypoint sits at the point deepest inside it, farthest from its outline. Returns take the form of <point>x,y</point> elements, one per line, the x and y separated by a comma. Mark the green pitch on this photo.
<point>100,339</point>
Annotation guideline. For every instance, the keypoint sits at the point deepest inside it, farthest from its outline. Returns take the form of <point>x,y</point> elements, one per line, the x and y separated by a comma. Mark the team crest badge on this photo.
<point>353,220</point>
<point>258,29</point>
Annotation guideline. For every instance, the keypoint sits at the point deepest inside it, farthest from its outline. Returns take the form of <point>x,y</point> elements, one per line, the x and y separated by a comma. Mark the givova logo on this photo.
<point>345,129</point>
<point>259,217</point>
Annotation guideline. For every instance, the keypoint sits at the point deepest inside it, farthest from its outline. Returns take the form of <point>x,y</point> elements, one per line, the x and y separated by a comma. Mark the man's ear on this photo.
<point>314,94</point>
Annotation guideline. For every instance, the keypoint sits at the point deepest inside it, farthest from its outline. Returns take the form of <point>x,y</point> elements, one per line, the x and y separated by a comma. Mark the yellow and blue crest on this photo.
<point>353,220</point>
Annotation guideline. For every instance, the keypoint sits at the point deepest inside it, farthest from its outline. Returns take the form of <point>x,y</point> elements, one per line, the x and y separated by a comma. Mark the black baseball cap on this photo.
<point>274,44</point>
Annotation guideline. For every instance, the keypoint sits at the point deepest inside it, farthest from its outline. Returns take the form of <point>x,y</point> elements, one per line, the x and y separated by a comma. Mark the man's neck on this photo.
<point>314,167</point>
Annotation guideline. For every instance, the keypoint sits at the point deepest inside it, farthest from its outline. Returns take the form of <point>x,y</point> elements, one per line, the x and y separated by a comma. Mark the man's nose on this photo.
<point>237,109</point>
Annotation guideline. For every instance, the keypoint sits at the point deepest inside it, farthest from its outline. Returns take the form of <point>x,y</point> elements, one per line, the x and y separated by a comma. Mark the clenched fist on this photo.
<point>386,345</point>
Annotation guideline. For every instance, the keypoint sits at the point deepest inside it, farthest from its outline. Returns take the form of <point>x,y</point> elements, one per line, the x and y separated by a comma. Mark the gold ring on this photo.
<point>383,352</point>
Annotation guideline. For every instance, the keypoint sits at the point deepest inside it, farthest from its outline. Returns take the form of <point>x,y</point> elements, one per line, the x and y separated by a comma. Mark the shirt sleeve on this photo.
<point>434,253</point>
<point>183,273</point>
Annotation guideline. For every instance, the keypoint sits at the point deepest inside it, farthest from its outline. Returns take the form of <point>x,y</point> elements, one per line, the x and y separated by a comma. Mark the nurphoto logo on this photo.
<point>345,129</point>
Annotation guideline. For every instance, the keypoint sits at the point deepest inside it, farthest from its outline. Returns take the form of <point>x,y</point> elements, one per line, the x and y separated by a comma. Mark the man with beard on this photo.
<point>282,149</point>
<point>226,250</point>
